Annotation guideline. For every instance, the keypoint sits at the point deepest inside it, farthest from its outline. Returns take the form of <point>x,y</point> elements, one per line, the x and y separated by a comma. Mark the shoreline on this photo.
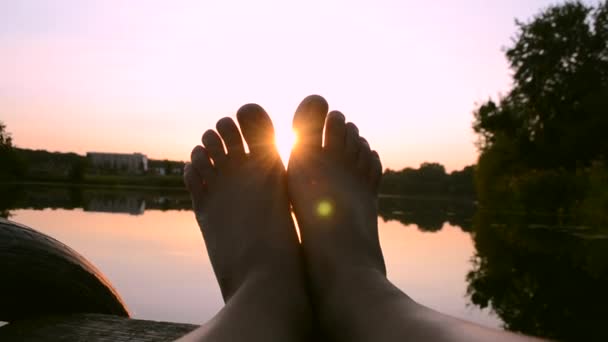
<point>97,185</point>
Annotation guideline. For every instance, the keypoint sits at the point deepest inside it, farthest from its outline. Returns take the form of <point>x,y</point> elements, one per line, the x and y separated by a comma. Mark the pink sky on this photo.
<point>151,76</point>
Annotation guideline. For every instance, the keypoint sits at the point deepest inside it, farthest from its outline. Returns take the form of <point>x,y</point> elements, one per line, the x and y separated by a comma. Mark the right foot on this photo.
<point>240,202</point>
<point>333,191</point>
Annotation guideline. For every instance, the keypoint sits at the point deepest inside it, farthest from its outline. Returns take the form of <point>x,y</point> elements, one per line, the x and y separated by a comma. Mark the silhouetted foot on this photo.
<point>333,190</point>
<point>240,201</point>
<point>241,204</point>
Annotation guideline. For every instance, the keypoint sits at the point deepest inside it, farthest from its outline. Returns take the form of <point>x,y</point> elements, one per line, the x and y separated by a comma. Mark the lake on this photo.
<point>498,270</point>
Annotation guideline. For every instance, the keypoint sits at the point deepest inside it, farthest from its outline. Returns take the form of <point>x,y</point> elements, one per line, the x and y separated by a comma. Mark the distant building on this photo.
<point>161,171</point>
<point>128,163</point>
<point>178,170</point>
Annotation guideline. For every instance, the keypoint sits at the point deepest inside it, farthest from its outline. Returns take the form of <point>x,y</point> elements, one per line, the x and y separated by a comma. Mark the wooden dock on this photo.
<point>92,328</point>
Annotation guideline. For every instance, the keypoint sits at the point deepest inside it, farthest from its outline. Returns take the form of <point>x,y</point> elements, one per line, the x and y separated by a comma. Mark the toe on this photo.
<point>375,171</point>
<point>257,129</point>
<point>351,143</point>
<point>195,185</point>
<point>192,180</point>
<point>335,130</point>
<point>215,148</point>
<point>364,157</point>
<point>231,136</point>
<point>202,165</point>
<point>309,120</point>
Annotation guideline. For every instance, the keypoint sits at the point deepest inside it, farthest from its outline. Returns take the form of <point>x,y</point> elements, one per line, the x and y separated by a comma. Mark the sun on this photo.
<point>285,140</point>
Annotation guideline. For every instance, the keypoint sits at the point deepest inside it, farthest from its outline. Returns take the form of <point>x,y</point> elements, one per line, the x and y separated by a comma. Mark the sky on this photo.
<point>151,76</point>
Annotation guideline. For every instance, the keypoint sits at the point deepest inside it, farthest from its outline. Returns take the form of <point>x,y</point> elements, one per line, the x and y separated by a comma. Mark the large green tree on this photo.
<point>556,115</point>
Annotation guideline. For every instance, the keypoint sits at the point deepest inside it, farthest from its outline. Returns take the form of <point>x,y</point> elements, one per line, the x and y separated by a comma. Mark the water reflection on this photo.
<point>157,261</point>
<point>429,215</point>
<point>129,201</point>
<point>539,279</point>
<point>498,270</point>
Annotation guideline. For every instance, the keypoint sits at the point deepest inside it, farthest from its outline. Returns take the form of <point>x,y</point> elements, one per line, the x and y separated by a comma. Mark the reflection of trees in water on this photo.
<point>538,281</point>
<point>110,203</point>
<point>541,281</point>
<point>21,197</point>
<point>428,214</point>
<point>10,197</point>
<point>92,199</point>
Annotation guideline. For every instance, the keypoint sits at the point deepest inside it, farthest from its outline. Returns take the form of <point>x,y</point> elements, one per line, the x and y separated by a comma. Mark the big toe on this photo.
<point>257,130</point>
<point>309,120</point>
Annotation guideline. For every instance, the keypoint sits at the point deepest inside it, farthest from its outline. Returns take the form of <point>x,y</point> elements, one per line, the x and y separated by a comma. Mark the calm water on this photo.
<point>441,253</point>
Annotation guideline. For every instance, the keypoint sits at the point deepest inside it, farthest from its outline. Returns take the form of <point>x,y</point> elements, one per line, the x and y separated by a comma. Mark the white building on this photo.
<point>129,163</point>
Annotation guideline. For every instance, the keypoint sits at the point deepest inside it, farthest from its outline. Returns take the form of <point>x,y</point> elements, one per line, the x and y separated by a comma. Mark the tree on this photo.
<point>556,114</point>
<point>555,118</point>
<point>10,165</point>
<point>430,179</point>
<point>78,170</point>
<point>6,141</point>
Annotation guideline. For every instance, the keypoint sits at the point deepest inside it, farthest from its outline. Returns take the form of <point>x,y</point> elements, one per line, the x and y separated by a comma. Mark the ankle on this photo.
<point>355,289</point>
<point>274,302</point>
<point>276,282</point>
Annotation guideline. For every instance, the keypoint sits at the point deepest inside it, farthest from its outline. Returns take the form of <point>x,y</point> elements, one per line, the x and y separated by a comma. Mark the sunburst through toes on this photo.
<point>284,141</point>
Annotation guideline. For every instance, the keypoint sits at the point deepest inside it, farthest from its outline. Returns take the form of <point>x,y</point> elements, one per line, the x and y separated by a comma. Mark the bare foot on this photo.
<point>333,190</point>
<point>241,204</point>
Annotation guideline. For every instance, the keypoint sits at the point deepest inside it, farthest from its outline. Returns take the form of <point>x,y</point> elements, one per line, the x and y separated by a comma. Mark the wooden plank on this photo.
<point>93,328</point>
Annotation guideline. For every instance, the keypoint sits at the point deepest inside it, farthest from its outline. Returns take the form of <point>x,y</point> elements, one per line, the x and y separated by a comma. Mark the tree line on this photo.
<point>27,165</point>
<point>430,179</point>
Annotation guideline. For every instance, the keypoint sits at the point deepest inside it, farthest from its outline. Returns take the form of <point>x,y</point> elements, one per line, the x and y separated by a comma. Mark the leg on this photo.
<point>241,205</point>
<point>333,192</point>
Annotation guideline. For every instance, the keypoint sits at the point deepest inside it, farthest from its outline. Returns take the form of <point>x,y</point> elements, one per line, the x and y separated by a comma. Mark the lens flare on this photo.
<point>324,209</point>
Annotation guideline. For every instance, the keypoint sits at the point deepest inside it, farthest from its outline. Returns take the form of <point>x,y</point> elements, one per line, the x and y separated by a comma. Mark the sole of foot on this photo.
<point>333,178</point>
<point>240,201</point>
